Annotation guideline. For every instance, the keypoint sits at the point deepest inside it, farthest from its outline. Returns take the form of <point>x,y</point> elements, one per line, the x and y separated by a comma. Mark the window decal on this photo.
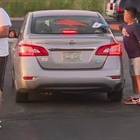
<point>70,23</point>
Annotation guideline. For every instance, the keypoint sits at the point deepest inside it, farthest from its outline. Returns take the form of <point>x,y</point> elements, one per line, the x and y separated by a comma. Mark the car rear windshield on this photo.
<point>66,24</point>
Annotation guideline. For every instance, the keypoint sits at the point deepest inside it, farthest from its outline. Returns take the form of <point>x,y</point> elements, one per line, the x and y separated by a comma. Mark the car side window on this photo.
<point>124,3</point>
<point>23,24</point>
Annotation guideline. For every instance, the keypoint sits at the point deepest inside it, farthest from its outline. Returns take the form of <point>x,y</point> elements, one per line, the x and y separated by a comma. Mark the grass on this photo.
<point>19,8</point>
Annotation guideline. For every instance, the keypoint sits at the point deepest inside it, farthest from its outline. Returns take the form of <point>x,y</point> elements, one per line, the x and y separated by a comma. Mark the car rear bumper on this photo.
<point>77,88</point>
<point>110,13</point>
<point>118,17</point>
<point>71,81</point>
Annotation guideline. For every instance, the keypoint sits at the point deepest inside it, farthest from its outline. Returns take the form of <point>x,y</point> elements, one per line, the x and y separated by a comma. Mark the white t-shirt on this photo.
<point>4,21</point>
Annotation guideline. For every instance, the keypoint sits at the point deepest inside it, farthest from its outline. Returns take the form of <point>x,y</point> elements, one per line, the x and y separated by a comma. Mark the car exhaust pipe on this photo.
<point>46,93</point>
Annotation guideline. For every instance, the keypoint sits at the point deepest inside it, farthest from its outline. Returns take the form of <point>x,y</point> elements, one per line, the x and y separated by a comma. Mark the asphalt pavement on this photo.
<point>68,117</point>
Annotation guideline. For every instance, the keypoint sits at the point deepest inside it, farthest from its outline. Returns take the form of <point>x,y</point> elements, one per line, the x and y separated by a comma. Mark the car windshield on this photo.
<point>66,25</point>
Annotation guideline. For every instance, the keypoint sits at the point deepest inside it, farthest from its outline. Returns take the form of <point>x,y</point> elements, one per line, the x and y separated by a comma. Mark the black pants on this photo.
<point>3,62</point>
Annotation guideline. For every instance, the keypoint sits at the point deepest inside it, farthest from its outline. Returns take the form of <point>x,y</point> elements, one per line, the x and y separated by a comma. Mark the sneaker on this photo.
<point>132,101</point>
<point>138,102</point>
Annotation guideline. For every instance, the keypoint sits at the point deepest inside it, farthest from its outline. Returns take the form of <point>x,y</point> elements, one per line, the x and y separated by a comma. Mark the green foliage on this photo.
<point>16,11</point>
<point>93,5</point>
<point>33,5</point>
<point>19,8</point>
<point>60,4</point>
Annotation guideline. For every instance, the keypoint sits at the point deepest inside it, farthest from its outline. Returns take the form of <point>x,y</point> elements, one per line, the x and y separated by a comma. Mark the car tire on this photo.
<point>21,97</point>
<point>115,96</point>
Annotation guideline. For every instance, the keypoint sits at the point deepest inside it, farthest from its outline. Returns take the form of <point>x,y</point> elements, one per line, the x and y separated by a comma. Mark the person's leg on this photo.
<point>136,87</point>
<point>136,84</point>
<point>3,62</point>
<point>134,69</point>
<point>0,98</point>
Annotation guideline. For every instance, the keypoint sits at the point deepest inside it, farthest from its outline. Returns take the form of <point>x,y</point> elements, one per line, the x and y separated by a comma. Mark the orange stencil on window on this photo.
<point>70,23</point>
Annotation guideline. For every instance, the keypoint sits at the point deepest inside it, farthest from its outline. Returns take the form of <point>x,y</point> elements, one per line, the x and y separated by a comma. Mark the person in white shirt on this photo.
<point>5,23</point>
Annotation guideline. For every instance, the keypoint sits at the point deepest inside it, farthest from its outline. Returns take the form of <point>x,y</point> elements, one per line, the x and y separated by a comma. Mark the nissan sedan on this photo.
<point>59,51</point>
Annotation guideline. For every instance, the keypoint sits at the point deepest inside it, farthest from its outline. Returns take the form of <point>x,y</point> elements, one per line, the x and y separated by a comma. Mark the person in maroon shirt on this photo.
<point>131,38</point>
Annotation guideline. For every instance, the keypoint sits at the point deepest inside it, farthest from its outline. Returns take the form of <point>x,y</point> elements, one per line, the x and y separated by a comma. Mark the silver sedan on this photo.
<point>61,51</point>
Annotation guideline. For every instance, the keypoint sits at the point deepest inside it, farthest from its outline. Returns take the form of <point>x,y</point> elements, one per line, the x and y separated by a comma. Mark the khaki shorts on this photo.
<point>134,66</point>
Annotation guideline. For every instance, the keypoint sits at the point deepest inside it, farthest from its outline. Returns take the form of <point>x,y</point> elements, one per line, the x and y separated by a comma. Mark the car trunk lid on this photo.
<point>71,52</point>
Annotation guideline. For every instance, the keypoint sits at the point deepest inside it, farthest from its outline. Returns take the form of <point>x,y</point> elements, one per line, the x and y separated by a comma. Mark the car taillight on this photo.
<point>28,78</point>
<point>120,10</point>
<point>111,6</point>
<point>110,50</point>
<point>32,50</point>
<point>116,77</point>
<point>70,32</point>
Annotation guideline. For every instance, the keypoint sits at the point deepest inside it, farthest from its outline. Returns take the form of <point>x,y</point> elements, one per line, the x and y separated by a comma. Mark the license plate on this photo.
<point>71,56</point>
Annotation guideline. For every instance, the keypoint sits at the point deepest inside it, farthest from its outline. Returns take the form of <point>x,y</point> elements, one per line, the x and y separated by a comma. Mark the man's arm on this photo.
<point>4,31</point>
<point>114,27</point>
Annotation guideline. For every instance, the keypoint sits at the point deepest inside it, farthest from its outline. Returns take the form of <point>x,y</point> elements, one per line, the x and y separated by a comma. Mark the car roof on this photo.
<point>64,13</point>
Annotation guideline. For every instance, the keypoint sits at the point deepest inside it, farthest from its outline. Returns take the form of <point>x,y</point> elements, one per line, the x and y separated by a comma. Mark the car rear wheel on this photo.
<point>115,95</point>
<point>21,97</point>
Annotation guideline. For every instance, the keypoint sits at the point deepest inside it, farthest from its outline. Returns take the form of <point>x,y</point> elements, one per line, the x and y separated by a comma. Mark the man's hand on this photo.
<point>4,31</point>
